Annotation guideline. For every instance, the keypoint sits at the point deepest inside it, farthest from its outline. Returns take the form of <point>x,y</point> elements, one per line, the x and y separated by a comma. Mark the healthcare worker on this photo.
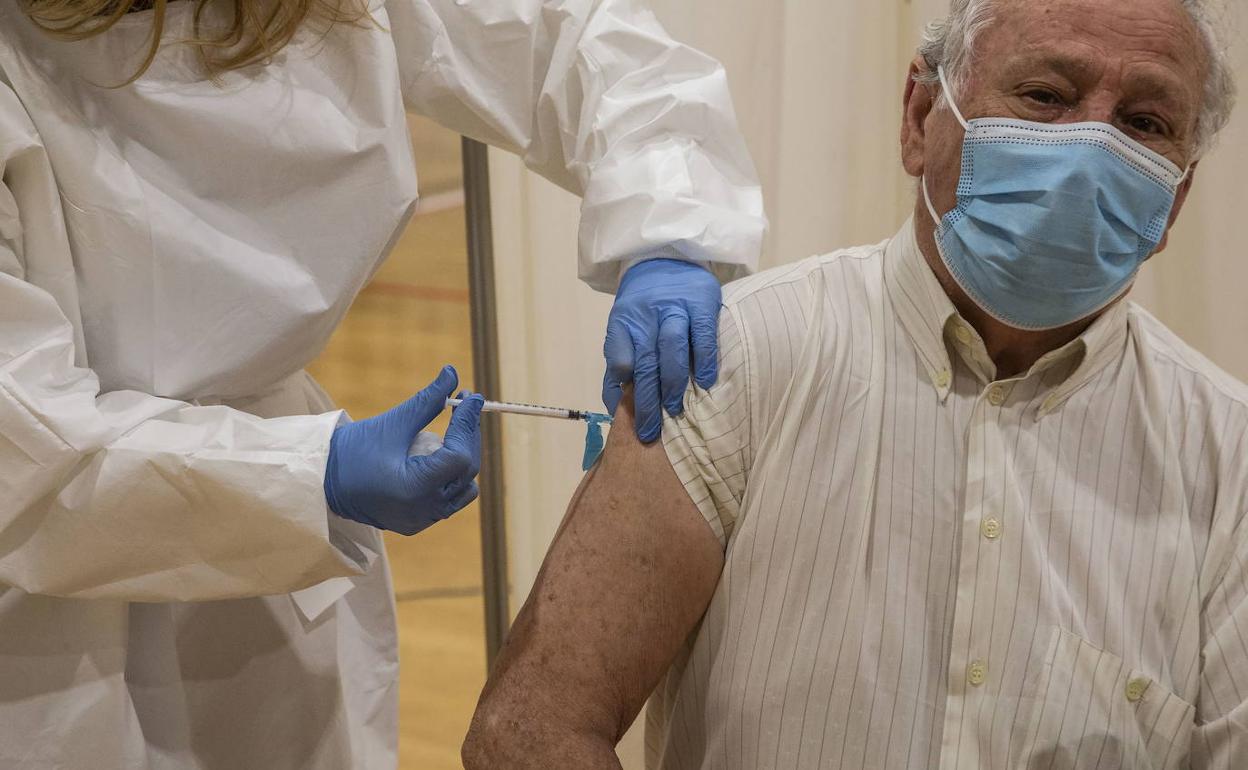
<point>191,572</point>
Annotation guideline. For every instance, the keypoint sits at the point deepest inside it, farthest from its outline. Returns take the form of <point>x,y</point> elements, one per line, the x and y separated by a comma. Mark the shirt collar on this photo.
<point>921,304</point>
<point>935,327</point>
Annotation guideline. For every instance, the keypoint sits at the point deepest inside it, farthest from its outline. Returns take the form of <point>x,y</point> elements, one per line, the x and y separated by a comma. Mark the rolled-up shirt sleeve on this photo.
<point>709,445</point>
<point>125,495</point>
<point>596,97</point>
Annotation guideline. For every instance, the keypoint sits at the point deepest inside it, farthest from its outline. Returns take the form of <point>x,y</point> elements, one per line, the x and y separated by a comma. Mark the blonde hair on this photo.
<point>257,31</point>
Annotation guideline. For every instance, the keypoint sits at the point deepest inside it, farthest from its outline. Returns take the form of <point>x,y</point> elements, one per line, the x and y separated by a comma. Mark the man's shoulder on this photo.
<point>1215,387</point>
<point>778,308</point>
<point>788,319</point>
<point>863,263</point>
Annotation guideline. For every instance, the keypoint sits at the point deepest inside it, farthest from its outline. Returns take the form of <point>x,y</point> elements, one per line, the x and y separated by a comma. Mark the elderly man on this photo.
<point>954,503</point>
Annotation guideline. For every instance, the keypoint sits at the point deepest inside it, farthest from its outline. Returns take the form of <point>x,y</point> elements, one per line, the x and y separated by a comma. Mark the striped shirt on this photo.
<point>928,567</point>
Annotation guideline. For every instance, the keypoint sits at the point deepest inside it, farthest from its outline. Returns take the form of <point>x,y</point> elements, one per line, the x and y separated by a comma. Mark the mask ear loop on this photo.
<point>944,84</point>
<point>927,198</point>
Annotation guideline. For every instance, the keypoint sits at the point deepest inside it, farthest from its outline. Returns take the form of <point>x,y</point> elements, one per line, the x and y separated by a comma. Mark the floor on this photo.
<point>405,325</point>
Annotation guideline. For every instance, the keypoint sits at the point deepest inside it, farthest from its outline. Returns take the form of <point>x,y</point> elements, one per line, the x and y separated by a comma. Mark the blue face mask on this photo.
<point>1053,221</point>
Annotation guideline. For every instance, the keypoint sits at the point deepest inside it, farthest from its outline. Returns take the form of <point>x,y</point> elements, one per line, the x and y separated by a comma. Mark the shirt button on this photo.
<point>976,673</point>
<point>996,395</point>
<point>942,378</point>
<point>1136,689</point>
<point>991,528</point>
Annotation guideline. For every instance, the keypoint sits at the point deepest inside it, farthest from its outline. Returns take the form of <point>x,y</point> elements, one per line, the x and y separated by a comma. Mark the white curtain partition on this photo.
<point>818,87</point>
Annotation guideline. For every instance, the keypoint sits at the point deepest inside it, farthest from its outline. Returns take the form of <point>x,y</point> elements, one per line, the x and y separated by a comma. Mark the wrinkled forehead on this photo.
<point>1142,44</point>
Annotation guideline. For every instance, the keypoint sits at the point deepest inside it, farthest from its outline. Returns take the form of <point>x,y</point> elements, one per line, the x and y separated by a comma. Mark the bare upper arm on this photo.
<point>628,577</point>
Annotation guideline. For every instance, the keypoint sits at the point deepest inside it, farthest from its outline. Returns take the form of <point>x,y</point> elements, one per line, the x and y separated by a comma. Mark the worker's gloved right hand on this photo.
<point>372,479</point>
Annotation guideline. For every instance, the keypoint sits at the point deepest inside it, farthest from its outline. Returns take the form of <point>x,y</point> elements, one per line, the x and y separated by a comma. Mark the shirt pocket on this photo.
<point>1093,712</point>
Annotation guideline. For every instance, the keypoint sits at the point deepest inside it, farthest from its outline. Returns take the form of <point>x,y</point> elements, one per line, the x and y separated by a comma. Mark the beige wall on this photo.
<point>818,88</point>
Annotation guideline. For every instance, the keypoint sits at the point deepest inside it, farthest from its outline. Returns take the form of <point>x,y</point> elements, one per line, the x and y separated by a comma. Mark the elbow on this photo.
<point>475,753</point>
<point>491,739</point>
<point>509,736</point>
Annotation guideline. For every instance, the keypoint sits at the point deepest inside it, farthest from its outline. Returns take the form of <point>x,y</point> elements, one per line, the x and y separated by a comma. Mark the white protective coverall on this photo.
<point>174,592</point>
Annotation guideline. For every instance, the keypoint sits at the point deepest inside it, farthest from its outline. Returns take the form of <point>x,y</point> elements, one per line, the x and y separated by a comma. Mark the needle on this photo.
<point>535,411</point>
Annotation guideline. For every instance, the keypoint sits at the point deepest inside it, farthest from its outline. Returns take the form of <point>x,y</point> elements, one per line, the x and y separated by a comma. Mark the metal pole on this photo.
<point>486,376</point>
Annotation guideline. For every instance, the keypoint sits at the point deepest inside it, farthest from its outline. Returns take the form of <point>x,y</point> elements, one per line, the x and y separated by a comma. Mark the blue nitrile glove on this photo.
<point>372,479</point>
<point>664,308</point>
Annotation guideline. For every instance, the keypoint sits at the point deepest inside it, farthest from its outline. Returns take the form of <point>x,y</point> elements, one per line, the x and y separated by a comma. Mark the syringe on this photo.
<point>536,411</point>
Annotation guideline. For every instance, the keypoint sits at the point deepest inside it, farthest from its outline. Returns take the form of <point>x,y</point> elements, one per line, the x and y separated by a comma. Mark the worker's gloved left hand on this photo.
<point>666,315</point>
<point>373,478</point>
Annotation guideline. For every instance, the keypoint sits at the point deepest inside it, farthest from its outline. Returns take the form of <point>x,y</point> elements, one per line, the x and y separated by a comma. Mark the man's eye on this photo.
<point>1146,124</point>
<point>1043,96</point>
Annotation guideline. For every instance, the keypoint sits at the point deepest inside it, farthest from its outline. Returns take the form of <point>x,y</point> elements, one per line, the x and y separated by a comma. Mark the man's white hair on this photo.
<point>950,42</point>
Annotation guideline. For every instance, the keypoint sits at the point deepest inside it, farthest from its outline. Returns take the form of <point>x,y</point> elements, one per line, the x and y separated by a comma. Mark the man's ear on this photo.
<point>919,100</point>
<point>1180,198</point>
